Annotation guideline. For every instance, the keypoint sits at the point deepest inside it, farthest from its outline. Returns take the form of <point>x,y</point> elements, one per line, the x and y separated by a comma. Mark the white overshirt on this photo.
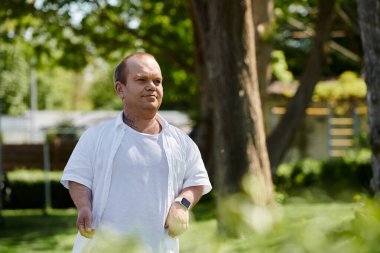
<point>92,160</point>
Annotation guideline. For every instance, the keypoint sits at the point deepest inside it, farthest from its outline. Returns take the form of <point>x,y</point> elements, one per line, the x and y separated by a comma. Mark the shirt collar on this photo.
<point>162,121</point>
<point>119,120</point>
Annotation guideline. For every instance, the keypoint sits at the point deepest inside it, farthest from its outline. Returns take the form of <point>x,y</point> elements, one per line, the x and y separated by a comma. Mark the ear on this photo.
<point>119,88</point>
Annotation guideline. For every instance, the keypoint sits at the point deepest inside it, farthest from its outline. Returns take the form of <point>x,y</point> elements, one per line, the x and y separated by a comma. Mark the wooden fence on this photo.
<point>31,156</point>
<point>341,129</point>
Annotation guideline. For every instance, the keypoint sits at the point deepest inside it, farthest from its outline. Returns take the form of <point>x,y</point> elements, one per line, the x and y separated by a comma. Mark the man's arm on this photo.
<point>192,193</point>
<point>177,221</point>
<point>81,195</point>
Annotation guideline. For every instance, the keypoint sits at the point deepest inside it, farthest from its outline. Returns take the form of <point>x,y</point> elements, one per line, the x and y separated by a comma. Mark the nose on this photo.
<point>150,85</point>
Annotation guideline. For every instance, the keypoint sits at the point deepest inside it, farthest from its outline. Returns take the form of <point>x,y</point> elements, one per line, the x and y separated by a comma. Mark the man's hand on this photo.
<point>177,221</point>
<point>84,222</point>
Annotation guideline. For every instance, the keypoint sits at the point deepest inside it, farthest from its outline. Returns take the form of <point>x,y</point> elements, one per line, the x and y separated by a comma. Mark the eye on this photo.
<point>157,82</point>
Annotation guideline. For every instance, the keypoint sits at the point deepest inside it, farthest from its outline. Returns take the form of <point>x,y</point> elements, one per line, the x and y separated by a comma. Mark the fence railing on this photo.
<point>341,129</point>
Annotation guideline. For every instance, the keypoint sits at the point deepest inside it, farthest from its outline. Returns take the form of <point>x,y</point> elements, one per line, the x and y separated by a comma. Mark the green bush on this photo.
<point>336,177</point>
<point>348,86</point>
<point>28,190</point>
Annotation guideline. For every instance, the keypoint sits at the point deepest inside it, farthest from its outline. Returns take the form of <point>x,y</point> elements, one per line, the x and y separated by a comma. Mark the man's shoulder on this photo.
<point>179,134</point>
<point>171,128</point>
<point>175,130</point>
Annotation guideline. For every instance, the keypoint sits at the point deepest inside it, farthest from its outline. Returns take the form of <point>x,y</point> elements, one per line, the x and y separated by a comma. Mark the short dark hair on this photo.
<point>121,70</point>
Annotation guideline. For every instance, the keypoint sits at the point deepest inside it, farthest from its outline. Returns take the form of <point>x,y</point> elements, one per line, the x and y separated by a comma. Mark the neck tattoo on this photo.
<point>131,124</point>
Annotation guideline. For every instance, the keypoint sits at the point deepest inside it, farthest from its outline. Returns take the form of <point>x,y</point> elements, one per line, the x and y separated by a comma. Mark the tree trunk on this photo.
<point>281,137</point>
<point>263,19</point>
<point>369,21</point>
<point>204,128</point>
<point>228,32</point>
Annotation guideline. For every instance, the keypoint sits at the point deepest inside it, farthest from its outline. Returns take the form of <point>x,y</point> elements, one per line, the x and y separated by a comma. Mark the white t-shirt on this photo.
<point>137,199</point>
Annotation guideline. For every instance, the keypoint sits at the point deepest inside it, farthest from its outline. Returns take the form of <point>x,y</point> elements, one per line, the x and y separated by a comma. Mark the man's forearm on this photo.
<point>82,197</point>
<point>80,194</point>
<point>192,193</point>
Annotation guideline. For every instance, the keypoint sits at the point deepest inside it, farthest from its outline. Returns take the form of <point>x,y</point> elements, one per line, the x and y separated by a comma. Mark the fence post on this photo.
<point>46,152</point>
<point>356,123</point>
<point>329,127</point>
<point>2,177</point>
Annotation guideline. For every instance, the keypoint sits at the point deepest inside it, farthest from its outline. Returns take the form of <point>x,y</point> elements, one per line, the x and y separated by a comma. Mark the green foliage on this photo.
<point>297,227</point>
<point>301,227</point>
<point>55,89</point>
<point>73,33</point>
<point>14,80</point>
<point>27,190</point>
<point>340,94</point>
<point>280,67</point>
<point>102,93</point>
<point>32,176</point>
<point>347,87</point>
<point>27,34</point>
<point>45,30</point>
<point>301,173</point>
<point>294,16</point>
<point>336,177</point>
<point>295,22</point>
<point>320,230</point>
<point>103,96</point>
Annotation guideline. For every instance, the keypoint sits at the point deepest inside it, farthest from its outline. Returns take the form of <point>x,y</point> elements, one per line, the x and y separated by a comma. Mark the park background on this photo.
<point>273,93</point>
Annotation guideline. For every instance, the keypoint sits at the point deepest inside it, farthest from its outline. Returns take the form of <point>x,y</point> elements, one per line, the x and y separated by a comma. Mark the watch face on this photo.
<point>185,202</point>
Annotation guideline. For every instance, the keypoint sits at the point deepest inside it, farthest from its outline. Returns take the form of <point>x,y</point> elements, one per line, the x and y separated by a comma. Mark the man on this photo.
<point>137,175</point>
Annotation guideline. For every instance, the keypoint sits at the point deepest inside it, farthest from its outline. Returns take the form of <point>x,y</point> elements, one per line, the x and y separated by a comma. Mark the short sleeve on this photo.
<point>79,167</point>
<point>195,174</point>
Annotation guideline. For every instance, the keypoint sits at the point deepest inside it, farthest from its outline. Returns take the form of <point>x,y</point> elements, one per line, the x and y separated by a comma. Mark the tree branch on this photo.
<point>168,52</point>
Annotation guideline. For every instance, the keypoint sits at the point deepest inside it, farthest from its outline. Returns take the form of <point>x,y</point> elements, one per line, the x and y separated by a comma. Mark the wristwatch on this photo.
<point>183,201</point>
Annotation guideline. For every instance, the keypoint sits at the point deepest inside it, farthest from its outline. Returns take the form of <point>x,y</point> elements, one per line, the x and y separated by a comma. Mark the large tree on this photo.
<point>369,20</point>
<point>262,11</point>
<point>239,138</point>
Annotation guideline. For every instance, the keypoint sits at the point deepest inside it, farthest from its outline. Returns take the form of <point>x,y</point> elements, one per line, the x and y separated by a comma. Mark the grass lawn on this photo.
<point>298,227</point>
<point>30,231</point>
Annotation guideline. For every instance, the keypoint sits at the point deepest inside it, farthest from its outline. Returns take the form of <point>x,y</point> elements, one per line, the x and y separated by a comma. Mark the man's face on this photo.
<point>143,89</point>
